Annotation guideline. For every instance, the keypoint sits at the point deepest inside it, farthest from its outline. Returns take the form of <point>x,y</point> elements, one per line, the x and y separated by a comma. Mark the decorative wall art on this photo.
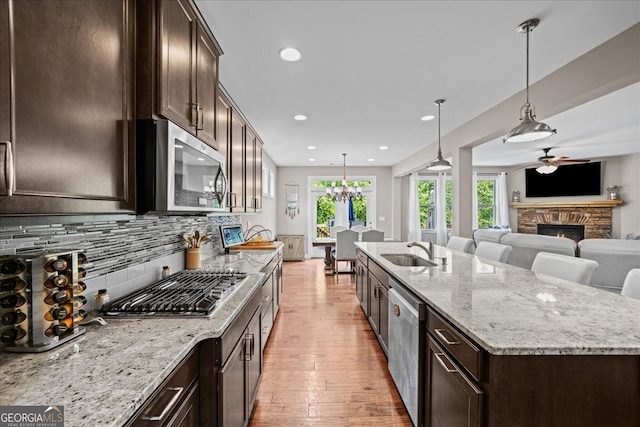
<point>292,191</point>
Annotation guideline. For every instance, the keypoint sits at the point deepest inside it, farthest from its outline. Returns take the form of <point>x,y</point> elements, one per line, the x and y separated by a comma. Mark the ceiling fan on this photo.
<point>548,164</point>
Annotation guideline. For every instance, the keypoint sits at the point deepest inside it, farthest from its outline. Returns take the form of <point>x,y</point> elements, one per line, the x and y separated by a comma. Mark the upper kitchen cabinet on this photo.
<point>236,166</point>
<point>253,186</point>
<point>177,67</point>
<point>66,107</point>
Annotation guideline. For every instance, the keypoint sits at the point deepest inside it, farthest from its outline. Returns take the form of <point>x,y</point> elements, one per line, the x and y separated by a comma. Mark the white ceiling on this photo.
<point>371,69</point>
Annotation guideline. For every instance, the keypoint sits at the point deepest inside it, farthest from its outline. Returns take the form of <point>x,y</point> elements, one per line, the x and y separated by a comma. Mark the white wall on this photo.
<point>268,217</point>
<point>299,175</point>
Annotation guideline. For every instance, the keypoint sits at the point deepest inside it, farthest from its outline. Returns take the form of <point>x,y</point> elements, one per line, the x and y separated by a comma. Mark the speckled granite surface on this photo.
<point>510,310</point>
<point>105,375</point>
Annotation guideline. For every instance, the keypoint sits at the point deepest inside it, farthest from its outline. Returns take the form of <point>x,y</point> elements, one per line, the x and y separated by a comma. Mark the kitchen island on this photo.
<point>510,347</point>
<point>105,376</point>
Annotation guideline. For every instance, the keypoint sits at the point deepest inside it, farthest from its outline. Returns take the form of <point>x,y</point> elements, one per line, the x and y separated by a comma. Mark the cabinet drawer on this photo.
<point>170,394</point>
<point>463,350</point>
<point>380,274</point>
<point>363,258</point>
<point>267,293</point>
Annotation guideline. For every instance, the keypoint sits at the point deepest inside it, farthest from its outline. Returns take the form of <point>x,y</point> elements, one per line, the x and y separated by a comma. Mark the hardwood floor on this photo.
<point>322,364</point>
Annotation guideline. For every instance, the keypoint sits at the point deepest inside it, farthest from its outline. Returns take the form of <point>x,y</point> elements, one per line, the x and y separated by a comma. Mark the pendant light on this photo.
<point>529,129</point>
<point>439,164</point>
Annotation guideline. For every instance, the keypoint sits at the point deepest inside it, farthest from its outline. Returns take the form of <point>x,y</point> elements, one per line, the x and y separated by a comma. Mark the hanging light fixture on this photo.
<point>344,192</point>
<point>529,129</point>
<point>439,164</point>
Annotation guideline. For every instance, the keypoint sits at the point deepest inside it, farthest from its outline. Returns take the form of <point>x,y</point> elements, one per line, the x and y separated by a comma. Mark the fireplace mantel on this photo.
<point>583,204</point>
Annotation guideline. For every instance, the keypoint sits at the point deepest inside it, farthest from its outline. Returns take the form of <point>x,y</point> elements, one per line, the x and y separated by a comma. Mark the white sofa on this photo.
<point>492,235</point>
<point>526,247</point>
<point>615,258</point>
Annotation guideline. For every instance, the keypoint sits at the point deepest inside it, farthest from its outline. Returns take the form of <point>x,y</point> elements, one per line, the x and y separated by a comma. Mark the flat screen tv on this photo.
<point>570,180</point>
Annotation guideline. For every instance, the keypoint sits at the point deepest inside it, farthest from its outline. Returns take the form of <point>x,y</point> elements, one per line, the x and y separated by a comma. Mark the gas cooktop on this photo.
<point>186,293</point>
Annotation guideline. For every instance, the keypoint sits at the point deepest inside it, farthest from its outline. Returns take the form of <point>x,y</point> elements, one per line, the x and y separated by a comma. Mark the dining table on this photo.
<point>327,243</point>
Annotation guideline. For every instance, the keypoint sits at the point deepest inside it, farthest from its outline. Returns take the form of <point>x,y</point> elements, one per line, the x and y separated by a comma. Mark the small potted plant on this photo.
<point>194,243</point>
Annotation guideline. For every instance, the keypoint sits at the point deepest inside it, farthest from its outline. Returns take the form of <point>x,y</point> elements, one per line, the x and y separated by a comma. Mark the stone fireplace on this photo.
<point>589,220</point>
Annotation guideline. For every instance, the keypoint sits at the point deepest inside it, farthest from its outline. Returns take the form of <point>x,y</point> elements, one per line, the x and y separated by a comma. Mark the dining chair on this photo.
<point>631,285</point>
<point>462,244</point>
<point>335,229</point>
<point>566,267</point>
<point>345,249</point>
<point>493,251</point>
<point>372,235</point>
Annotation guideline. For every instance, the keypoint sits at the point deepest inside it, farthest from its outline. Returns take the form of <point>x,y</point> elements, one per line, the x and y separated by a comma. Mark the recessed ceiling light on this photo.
<point>300,117</point>
<point>311,147</point>
<point>201,159</point>
<point>290,54</point>
<point>371,160</point>
<point>312,160</point>
<point>178,146</point>
<point>427,118</point>
<point>384,147</point>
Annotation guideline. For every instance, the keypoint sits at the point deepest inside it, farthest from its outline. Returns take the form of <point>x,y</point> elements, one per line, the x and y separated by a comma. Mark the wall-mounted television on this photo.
<point>569,180</point>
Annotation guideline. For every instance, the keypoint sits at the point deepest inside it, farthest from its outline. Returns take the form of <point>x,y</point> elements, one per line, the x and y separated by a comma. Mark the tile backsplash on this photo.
<point>122,255</point>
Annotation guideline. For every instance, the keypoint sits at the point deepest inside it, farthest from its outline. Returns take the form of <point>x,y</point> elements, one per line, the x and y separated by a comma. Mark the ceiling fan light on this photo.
<point>546,169</point>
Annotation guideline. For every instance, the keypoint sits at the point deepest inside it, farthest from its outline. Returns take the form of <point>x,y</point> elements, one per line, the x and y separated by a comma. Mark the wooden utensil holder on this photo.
<point>192,259</point>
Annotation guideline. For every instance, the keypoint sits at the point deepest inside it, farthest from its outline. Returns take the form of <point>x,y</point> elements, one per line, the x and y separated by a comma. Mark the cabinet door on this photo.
<point>298,247</point>
<point>232,385</point>
<point>374,303</point>
<point>257,190</point>
<point>250,170</point>
<point>383,328</point>
<point>66,106</point>
<point>360,281</point>
<point>222,128</point>
<point>237,164</point>
<point>206,87</point>
<point>453,400</point>
<point>188,414</point>
<point>177,63</point>
<point>253,359</point>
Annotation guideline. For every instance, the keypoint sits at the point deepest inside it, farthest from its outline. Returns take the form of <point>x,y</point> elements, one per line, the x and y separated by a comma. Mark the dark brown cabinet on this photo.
<point>177,67</point>
<point>66,107</point>
<point>379,304</point>
<point>253,177</point>
<point>236,163</point>
<point>240,376</point>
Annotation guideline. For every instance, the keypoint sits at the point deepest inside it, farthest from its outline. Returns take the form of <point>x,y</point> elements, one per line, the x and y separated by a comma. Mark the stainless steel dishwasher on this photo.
<point>405,313</point>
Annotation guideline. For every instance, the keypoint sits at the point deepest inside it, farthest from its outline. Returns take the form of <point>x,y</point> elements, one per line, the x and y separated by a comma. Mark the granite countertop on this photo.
<point>509,310</point>
<point>104,376</point>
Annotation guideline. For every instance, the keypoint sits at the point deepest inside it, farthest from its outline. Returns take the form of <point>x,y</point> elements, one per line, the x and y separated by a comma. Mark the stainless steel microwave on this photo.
<point>176,172</point>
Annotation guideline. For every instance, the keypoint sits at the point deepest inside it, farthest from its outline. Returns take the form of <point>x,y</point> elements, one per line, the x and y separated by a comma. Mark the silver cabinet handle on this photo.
<point>199,122</point>
<point>9,168</point>
<point>196,106</point>
<point>266,298</point>
<point>439,332</point>
<point>265,329</point>
<point>439,357</point>
<point>177,392</point>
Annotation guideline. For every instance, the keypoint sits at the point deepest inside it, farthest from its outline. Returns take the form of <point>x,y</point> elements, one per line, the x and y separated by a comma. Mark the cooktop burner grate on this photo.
<point>188,292</point>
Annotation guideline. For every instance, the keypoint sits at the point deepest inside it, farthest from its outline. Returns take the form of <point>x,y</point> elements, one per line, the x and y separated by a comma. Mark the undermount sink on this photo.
<point>408,260</point>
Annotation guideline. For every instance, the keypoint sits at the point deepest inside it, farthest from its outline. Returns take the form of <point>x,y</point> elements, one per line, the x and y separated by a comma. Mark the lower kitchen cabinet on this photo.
<point>362,284</point>
<point>379,304</point>
<point>293,247</point>
<point>240,376</point>
<point>177,401</point>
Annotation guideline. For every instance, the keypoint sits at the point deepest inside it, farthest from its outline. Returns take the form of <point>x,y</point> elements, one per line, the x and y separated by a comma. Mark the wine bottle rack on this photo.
<point>50,300</point>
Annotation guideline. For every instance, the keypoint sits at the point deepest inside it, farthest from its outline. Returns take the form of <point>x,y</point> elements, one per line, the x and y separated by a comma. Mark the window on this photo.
<point>427,190</point>
<point>486,195</point>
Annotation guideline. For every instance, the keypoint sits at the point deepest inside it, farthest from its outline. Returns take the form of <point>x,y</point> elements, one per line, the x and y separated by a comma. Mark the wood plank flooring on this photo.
<point>322,364</point>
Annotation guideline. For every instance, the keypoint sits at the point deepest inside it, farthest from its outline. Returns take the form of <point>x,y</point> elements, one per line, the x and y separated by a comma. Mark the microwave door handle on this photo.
<point>220,195</point>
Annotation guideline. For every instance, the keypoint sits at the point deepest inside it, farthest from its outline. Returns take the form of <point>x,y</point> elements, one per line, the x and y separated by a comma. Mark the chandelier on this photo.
<point>344,192</point>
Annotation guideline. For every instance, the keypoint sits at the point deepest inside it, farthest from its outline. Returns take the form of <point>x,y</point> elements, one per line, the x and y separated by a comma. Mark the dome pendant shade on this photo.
<point>529,129</point>
<point>439,164</point>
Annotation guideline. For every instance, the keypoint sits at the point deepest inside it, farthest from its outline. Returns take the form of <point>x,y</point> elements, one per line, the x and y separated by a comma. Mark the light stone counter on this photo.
<point>511,311</point>
<point>104,376</point>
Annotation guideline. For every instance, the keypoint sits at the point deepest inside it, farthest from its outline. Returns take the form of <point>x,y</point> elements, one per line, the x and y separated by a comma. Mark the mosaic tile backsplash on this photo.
<point>122,255</point>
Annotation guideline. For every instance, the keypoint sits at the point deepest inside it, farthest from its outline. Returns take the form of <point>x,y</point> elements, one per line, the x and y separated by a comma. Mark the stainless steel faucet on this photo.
<point>429,250</point>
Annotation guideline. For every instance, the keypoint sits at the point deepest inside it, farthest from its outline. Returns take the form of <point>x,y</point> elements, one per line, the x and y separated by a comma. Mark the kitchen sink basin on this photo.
<point>408,260</point>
